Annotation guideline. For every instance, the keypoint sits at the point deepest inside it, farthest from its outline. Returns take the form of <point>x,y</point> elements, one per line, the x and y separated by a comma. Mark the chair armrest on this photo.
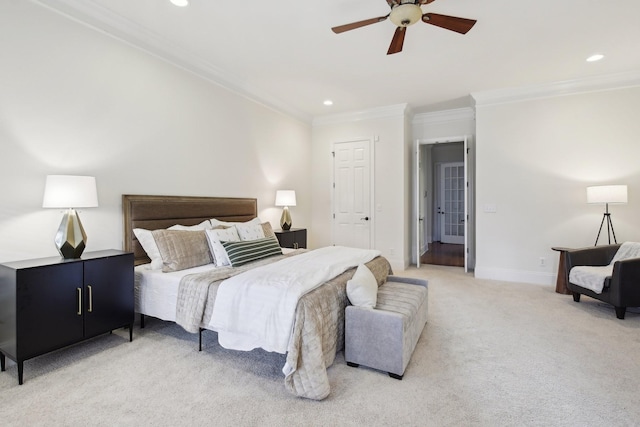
<point>626,278</point>
<point>594,256</point>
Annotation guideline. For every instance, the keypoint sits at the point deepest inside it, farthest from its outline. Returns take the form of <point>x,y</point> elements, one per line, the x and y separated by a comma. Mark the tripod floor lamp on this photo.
<point>607,194</point>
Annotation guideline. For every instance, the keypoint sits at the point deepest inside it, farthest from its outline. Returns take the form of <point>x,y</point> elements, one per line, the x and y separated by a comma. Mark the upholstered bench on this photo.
<point>384,337</point>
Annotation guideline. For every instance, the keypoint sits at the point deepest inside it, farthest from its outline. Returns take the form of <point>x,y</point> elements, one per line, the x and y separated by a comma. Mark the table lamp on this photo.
<point>70,192</point>
<point>285,198</point>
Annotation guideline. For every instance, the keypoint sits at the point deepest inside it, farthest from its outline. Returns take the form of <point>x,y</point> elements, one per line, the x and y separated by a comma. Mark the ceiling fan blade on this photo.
<point>397,41</point>
<point>453,23</point>
<point>342,28</point>
<point>421,2</point>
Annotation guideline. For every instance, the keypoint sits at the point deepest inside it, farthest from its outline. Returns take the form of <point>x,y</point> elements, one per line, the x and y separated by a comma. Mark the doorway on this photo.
<point>443,202</point>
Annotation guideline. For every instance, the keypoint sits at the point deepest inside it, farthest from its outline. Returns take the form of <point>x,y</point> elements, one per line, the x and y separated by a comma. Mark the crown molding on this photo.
<point>96,17</point>
<point>455,115</point>
<point>566,87</point>
<point>398,110</point>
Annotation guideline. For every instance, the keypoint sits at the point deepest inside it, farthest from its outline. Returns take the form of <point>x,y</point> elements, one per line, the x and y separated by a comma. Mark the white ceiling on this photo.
<point>283,53</point>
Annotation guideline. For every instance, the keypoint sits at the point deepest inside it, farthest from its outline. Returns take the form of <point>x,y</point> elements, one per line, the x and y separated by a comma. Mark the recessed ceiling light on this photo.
<point>180,3</point>
<point>594,58</point>
<point>328,102</point>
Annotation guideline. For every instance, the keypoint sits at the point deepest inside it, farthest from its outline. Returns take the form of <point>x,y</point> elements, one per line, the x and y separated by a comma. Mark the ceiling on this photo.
<point>284,54</point>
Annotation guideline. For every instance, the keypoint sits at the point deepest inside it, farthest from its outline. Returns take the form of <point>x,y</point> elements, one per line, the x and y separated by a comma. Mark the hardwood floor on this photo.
<point>444,254</point>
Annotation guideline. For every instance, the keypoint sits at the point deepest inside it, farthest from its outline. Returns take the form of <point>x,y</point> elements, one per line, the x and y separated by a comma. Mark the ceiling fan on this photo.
<point>408,12</point>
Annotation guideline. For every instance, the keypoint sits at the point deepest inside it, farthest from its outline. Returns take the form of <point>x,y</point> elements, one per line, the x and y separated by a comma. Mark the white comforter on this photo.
<point>256,308</point>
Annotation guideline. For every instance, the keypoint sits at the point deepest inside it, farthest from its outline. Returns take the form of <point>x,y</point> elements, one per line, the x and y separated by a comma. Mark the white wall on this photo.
<point>386,127</point>
<point>76,101</point>
<point>535,159</point>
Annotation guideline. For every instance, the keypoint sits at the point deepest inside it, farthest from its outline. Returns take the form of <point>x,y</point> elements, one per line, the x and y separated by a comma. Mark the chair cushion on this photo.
<point>590,277</point>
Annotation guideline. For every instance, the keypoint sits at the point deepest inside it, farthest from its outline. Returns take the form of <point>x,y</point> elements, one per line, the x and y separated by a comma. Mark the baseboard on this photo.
<point>505,275</point>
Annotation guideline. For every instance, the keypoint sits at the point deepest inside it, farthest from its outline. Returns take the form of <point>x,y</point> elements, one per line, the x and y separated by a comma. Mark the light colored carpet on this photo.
<point>492,354</point>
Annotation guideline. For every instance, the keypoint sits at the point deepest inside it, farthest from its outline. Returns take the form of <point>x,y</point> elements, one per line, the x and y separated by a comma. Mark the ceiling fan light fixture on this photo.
<point>596,57</point>
<point>406,14</point>
<point>180,3</point>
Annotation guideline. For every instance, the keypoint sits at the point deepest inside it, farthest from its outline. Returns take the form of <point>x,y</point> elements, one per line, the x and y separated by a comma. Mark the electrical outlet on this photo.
<point>392,251</point>
<point>542,261</point>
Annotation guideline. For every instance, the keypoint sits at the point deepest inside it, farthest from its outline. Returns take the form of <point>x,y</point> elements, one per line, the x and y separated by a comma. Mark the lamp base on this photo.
<point>285,219</point>
<point>71,239</point>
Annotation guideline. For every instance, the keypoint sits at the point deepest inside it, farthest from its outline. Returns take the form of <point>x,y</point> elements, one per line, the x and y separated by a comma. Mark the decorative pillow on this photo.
<point>215,238</point>
<point>268,230</point>
<point>206,224</point>
<point>362,289</point>
<point>148,243</point>
<point>181,249</point>
<point>242,252</point>
<point>250,231</point>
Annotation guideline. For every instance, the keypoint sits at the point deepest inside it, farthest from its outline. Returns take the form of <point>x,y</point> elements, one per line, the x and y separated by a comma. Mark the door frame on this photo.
<point>424,217</point>
<point>372,217</point>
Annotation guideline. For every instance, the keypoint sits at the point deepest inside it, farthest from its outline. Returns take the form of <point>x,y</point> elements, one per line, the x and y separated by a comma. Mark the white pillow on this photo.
<point>362,289</point>
<point>217,223</point>
<point>248,231</point>
<point>148,243</point>
<point>215,237</point>
<point>204,225</point>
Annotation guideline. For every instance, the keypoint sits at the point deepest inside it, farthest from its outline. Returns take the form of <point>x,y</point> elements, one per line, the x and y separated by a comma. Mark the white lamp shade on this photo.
<point>607,194</point>
<point>70,191</point>
<point>285,198</point>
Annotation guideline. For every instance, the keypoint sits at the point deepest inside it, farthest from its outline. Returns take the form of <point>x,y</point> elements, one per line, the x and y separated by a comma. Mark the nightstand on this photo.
<point>50,303</point>
<point>295,238</point>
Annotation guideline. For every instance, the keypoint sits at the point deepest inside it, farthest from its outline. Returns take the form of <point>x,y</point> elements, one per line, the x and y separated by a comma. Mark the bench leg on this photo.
<point>353,365</point>
<point>576,297</point>
<point>620,312</point>
<point>395,376</point>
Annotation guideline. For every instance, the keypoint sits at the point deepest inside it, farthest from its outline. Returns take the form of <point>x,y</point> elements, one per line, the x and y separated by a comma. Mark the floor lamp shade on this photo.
<point>605,194</point>
<point>70,192</point>
<point>285,198</point>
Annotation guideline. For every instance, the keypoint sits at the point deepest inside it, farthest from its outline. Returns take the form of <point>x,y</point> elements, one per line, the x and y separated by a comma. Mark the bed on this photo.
<point>317,333</point>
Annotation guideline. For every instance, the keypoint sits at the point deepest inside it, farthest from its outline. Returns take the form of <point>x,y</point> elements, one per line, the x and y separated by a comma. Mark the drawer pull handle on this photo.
<point>90,298</point>
<point>79,301</point>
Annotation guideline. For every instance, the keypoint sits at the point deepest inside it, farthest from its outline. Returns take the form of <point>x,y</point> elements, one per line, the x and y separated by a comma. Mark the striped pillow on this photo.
<point>251,250</point>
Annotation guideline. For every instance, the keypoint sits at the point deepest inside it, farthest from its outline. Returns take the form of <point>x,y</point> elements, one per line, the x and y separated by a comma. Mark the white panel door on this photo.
<point>452,204</point>
<point>352,198</point>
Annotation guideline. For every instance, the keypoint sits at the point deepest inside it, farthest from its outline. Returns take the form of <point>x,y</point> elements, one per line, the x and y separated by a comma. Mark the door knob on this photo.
<point>366,218</point>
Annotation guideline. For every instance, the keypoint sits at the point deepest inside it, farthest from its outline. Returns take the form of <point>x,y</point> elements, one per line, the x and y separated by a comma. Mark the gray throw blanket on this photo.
<point>318,331</point>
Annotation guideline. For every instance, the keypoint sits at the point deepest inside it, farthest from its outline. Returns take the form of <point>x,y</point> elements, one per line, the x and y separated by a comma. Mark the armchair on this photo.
<point>621,289</point>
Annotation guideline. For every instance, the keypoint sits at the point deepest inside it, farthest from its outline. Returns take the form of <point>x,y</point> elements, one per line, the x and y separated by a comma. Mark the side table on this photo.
<point>561,281</point>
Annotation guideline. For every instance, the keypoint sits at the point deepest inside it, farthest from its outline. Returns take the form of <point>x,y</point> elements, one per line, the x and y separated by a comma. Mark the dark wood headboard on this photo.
<point>156,212</point>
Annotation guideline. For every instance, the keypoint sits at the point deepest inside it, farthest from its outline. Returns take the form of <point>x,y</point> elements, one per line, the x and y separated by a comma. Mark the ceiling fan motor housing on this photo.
<point>405,14</point>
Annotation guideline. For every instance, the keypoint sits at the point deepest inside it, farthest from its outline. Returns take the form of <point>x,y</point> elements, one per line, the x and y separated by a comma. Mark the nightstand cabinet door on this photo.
<point>295,238</point>
<point>108,294</point>
<point>49,312</point>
